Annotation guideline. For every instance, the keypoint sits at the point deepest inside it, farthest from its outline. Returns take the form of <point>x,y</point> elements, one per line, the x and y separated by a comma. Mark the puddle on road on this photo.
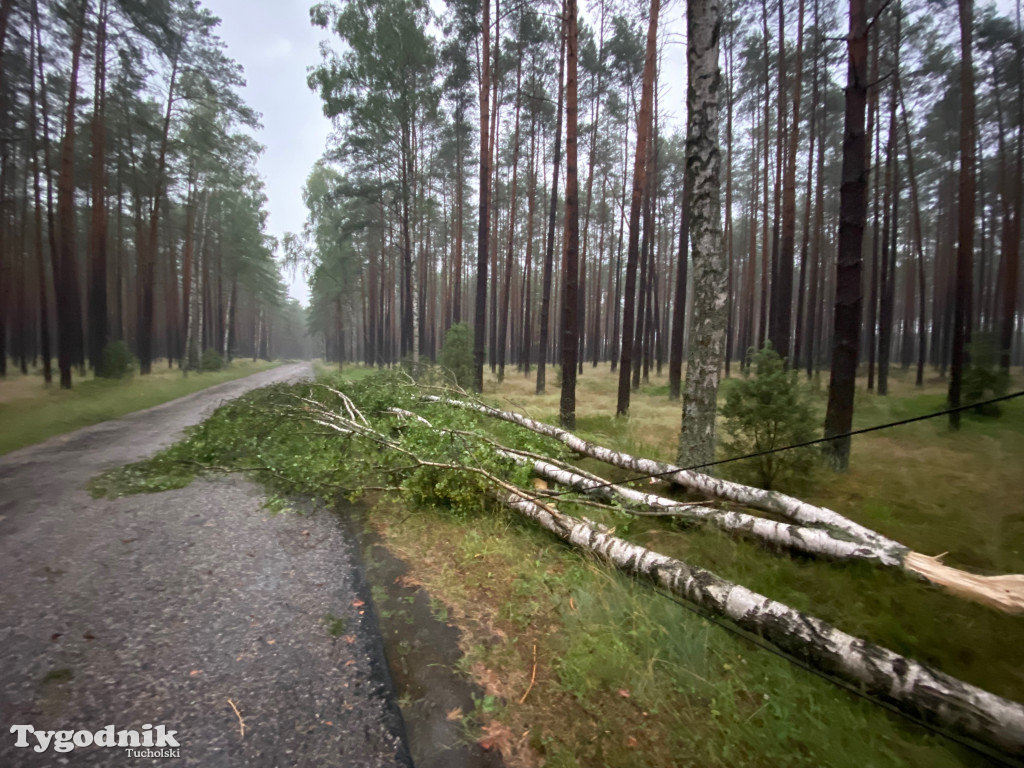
<point>422,653</point>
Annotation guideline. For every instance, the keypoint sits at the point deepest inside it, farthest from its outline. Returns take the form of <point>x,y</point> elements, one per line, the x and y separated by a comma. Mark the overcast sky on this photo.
<point>274,41</point>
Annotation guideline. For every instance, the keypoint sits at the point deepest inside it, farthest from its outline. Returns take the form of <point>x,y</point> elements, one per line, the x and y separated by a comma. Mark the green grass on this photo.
<point>31,412</point>
<point>722,701</point>
<point>626,677</point>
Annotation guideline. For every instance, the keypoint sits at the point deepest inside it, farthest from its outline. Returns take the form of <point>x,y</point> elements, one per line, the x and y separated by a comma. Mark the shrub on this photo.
<point>117,362</point>
<point>766,411</point>
<point>212,361</point>
<point>457,355</point>
<point>983,378</point>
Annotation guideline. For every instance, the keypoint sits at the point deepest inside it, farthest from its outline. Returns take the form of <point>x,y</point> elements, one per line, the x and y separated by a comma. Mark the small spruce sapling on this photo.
<point>765,411</point>
<point>117,361</point>
<point>984,379</point>
<point>457,355</point>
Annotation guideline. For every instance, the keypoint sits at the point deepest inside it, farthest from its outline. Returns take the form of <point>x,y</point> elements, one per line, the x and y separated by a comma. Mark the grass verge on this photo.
<point>31,412</point>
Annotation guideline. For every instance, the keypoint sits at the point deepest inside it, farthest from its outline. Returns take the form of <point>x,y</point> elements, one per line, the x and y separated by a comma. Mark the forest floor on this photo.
<point>178,608</point>
<point>31,412</point>
<point>623,677</point>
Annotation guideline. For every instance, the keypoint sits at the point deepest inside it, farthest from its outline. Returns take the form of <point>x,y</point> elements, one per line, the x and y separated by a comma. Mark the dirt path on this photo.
<point>157,609</point>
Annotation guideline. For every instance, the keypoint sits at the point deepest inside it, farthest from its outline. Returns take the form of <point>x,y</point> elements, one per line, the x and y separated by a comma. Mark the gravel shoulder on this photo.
<point>161,608</point>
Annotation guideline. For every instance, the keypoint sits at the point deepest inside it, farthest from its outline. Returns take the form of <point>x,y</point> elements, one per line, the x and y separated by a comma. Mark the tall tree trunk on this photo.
<point>229,319</point>
<point>784,289</point>
<point>703,161</point>
<point>98,225</point>
<point>549,247</point>
<point>506,289</point>
<point>762,325</point>
<point>531,205</point>
<point>805,241</point>
<point>965,209</point>
<point>616,314</point>
<point>875,135</point>
<point>492,325</point>
<point>731,283</point>
<point>644,122</point>
<point>596,337</point>
<point>570,287</point>
<point>69,302</point>
<point>852,216</point>
<point>675,356</point>
<point>189,355</point>
<point>480,313</point>
<point>1012,196</point>
<point>915,209</point>
<point>147,255</point>
<point>460,196</point>
<point>645,245</point>
<point>888,276</point>
<point>585,252</point>
<point>44,311</point>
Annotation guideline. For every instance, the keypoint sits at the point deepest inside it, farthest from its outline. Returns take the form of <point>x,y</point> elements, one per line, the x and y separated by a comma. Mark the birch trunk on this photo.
<point>811,541</point>
<point>703,161</point>
<point>757,498</point>
<point>570,266</point>
<point>906,684</point>
<point>227,321</point>
<point>1002,592</point>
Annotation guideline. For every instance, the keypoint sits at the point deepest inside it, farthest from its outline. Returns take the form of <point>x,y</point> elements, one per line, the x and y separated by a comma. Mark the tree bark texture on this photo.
<point>570,284</point>
<point>710,265</point>
<point>852,216</point>
<point>965,209</point>
<point>480,310</point>
<point>549,246</point>
<point>644,120</point>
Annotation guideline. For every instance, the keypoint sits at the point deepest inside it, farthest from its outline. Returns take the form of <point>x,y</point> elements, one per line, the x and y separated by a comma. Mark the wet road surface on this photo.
<point>160,608</point>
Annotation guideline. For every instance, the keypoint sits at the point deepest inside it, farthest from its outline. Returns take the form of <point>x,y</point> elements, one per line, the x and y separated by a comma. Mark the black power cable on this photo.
<point>806,444</point>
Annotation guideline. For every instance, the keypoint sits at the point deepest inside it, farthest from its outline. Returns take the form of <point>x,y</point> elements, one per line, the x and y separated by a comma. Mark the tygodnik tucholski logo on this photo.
<point>149,741</point>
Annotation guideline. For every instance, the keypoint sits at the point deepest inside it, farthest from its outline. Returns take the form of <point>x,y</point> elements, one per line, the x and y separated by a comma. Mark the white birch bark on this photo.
<point>227,326</point>
<point>195,300</point>
<point>257,334</point>
<point>195,311</point>
<point>709,263</point>
<point>907,684</point>
<point>812,541</point>
<point>757,498</point>
<point>414,288</point>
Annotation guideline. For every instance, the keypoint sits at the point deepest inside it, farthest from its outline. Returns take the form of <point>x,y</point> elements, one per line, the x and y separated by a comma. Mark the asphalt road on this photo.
<point>166,609</point>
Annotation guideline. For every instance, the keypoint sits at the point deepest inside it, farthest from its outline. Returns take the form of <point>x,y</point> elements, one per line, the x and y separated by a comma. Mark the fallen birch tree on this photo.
<point>757,498</point>
<point>912,687</point>
<point>811,541</point>
<point>1002,592</point>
